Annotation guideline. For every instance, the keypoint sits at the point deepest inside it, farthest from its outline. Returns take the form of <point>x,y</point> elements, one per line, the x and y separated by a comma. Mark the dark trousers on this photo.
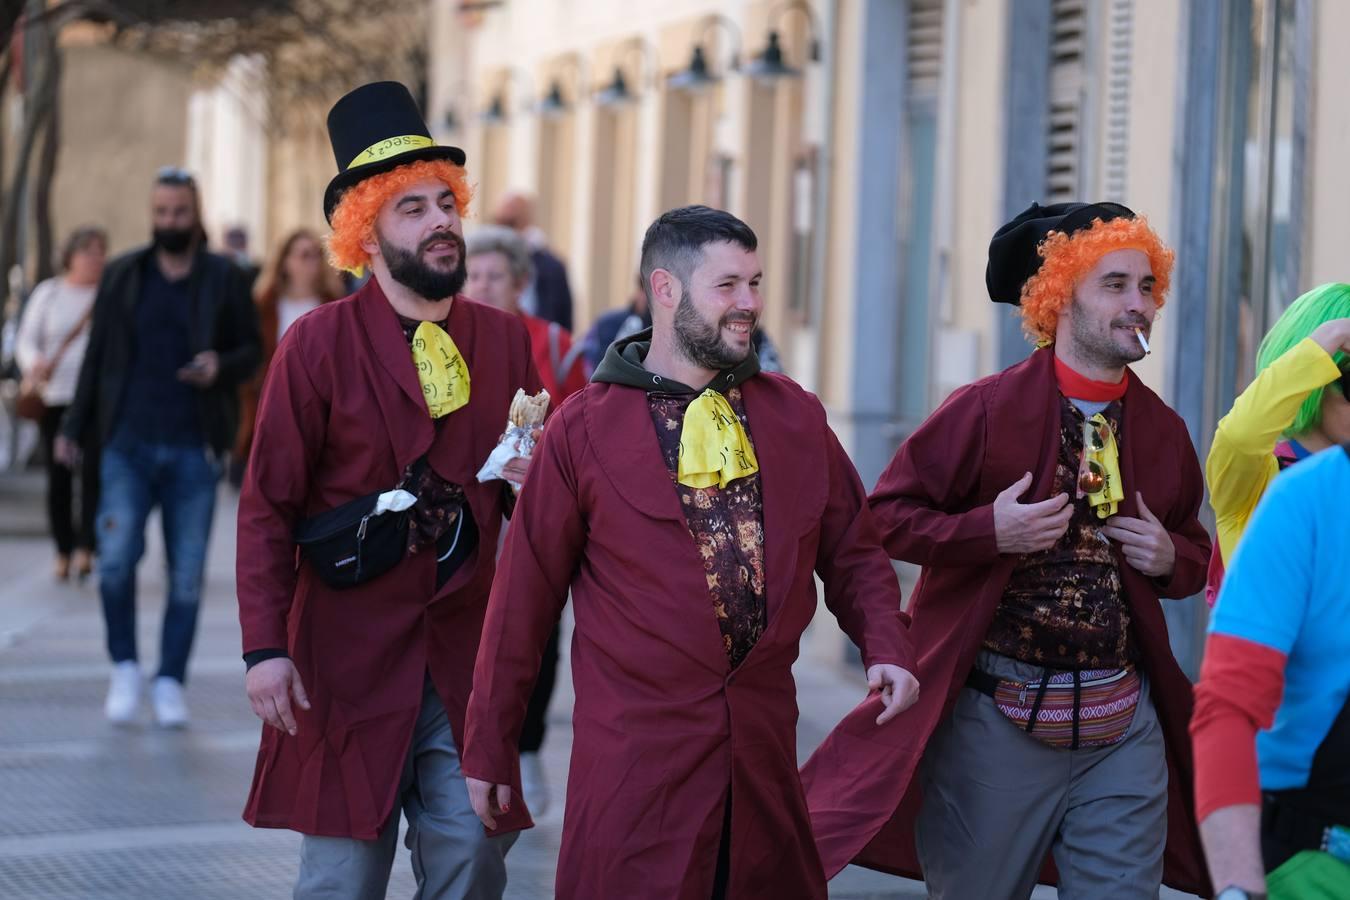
<point>536,713</point>
<point>722,874</point>
<point>68,530</point>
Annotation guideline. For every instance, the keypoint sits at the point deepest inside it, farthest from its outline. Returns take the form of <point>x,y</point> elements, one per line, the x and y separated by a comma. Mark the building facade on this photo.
<point>878,170</point>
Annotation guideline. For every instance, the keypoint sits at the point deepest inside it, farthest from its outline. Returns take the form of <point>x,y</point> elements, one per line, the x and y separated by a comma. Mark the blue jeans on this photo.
<point>135,476</point>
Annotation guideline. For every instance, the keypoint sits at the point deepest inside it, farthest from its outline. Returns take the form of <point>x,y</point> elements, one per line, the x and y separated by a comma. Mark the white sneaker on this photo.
<point>170,709</point>
<point>124,693</point>
<point>533,784</point>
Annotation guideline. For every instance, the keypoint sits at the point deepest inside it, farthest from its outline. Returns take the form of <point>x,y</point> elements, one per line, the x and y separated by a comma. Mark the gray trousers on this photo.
<point>996,800</point>
<point>452,857</point>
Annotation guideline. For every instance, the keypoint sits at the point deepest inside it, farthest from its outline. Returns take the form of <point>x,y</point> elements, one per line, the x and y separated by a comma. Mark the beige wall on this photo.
<point>1328,185</point>
<point>1152,148</point>
<point>736,147</point>
<point>966,320</point>
<point>606,174</point>
<point>111,150</point>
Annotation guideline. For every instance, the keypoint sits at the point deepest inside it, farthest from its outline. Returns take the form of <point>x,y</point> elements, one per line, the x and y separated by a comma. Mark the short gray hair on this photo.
<point>499,239</point>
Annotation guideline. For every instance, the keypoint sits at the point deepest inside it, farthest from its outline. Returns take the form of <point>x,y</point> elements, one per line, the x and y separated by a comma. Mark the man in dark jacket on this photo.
<point>174,334</point>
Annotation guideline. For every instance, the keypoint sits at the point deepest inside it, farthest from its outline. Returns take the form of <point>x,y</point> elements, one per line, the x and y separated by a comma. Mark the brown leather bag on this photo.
<point>29,404</point>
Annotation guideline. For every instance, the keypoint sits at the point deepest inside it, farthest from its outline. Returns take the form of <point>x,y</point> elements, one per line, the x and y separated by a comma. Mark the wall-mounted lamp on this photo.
<point>697,76</point>
<point>495,114</point>
<point>769,66</point>
<point>617,92</point>
<point>500,108</point>
<point>555,103</point>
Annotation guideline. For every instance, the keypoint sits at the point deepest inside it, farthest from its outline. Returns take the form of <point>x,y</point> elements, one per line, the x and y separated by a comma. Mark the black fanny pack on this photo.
<point>349,544</point>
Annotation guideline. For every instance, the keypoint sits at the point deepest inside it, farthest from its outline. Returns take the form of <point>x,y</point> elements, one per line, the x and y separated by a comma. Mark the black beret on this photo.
<point>1012,253</point>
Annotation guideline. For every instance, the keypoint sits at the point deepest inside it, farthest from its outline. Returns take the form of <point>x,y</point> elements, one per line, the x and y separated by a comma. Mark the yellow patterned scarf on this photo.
<point>714,448</point>
<point>1099,471</point>
<point>440,369</point>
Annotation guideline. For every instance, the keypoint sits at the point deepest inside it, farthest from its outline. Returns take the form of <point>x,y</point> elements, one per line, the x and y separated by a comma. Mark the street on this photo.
<point>141,813</point>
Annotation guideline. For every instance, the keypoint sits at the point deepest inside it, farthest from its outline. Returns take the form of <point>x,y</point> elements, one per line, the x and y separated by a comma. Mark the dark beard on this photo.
<point>406,267</point>
<point>701,342</point>
<point>173,240</point>
<point>1102,350</point>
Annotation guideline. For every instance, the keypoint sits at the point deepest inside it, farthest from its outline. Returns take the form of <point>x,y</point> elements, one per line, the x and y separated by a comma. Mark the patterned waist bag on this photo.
<point>1075,710</point>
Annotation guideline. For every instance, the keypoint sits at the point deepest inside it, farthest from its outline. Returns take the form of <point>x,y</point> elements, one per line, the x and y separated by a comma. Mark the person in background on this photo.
<point>1271,730</point>
<point>174,334</point>
<point>51,343</point>
<point>617,324</point>
<point>236,248</point>
<point>296,280</point>
<point>500,269</point>
<point>1294,407</point>
<point>548,296</point>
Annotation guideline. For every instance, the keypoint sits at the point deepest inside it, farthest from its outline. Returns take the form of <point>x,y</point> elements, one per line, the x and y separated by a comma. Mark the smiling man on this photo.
<point>404,384</point>
<point>687,500</point>
<point>1050,505</point>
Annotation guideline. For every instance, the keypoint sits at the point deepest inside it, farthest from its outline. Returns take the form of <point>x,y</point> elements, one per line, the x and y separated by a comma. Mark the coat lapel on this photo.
<point>619,423</point>
<point>1024,429</point>
<point>792,473</point>
<point>410,430</point>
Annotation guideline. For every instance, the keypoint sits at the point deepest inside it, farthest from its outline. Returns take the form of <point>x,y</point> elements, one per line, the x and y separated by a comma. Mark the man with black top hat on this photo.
<point>405,384</point>
<point>1050,505</point>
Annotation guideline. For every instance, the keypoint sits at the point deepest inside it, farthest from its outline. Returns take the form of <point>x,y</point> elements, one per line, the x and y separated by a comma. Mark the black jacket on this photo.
<point>551,290</point>
<point>224,320</point>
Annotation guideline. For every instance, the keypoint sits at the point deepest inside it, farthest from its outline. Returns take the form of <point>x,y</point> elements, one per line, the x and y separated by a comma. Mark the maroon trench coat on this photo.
<point>341,416</point>
<point>935,507</point>
<point>663,727</point>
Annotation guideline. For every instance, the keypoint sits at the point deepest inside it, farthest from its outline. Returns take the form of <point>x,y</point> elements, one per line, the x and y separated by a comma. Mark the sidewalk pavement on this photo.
<point>141,813</point>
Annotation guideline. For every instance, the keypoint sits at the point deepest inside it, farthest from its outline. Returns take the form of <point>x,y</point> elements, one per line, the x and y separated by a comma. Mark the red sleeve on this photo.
<point>574,378</point>
<point>288,437</point>
<point>533,577</point>
<point>1241,683</point>
<point>861,589</point>
<point>925,503</point>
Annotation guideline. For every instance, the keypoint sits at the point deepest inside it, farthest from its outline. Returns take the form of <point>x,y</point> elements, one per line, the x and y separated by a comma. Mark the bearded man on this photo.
<point>1051,506</point>
<point>363,677</point>
<point>687,500</point>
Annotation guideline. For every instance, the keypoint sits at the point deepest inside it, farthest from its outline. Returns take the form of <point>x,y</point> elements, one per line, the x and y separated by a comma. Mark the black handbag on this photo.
<point>349,545</point>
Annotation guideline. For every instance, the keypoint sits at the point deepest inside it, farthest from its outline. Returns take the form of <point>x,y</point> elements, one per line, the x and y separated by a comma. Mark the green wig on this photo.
<point>1299,321</point>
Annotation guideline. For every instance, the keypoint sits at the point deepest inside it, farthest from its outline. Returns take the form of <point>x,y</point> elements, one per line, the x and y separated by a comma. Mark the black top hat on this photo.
<point>376,128</point>
<point>1012,253</point>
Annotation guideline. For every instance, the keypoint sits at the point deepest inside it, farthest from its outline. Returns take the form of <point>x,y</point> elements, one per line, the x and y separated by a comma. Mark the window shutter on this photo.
<point>1068,40</point>
<point>1119,57</point>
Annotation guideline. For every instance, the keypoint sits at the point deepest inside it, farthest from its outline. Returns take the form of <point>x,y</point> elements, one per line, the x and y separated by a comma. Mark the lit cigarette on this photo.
<point>1142,342</point>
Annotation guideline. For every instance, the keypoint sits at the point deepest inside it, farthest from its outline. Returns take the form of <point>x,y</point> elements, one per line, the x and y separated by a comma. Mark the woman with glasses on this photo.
<point>1294,407</point>
<point>52,339</point>
<point>296,280</point>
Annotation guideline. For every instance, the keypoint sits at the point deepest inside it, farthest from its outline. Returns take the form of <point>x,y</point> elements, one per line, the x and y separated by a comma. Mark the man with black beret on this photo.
<point>1050,505</point>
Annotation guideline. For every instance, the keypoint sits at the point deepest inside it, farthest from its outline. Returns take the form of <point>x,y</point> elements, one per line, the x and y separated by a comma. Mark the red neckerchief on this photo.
<point>1080,387</point>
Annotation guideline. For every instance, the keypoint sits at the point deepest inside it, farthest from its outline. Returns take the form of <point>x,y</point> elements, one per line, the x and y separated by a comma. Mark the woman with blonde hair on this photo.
<point>295,280</point>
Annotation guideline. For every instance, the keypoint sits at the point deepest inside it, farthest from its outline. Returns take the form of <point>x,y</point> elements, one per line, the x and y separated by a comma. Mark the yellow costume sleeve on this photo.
<point>1241,464</point>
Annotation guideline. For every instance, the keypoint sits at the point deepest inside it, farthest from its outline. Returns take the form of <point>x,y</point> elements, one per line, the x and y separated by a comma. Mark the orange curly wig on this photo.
<point>354,217</point>
<point>1067,258</point>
